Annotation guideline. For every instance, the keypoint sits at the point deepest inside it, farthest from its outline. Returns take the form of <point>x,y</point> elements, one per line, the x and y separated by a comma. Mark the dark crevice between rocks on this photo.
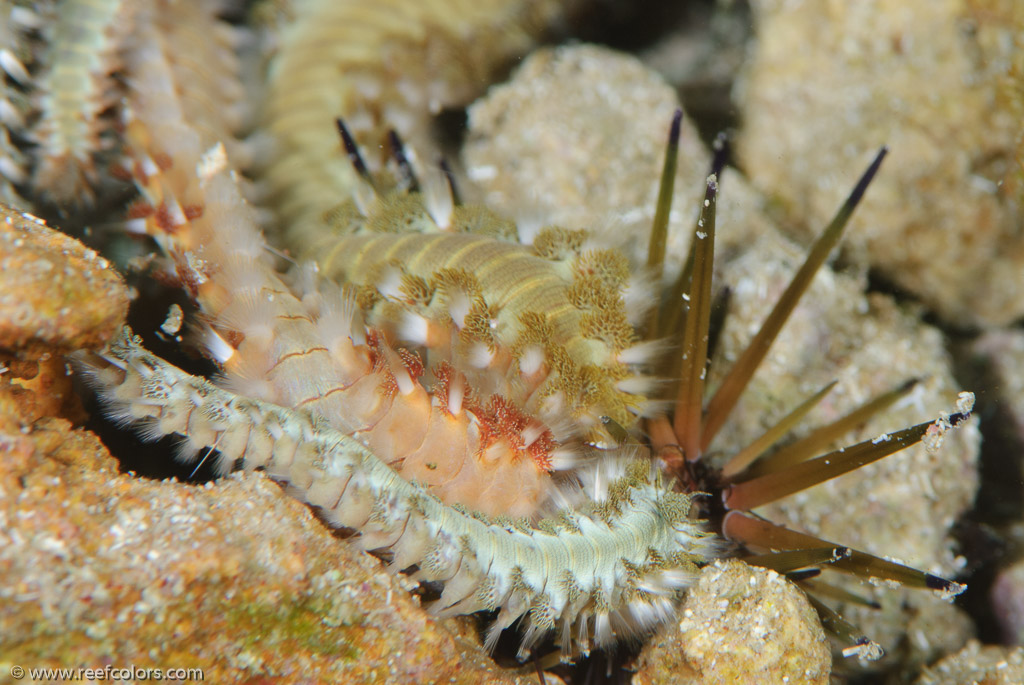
<point>982,533</point>
<point>979,533</point>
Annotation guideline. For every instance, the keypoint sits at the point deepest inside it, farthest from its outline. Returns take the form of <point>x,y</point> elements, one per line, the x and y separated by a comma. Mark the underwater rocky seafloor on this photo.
<point>115,564</point>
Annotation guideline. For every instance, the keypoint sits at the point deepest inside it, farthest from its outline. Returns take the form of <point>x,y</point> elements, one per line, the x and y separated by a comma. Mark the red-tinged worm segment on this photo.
<point>305,344</point>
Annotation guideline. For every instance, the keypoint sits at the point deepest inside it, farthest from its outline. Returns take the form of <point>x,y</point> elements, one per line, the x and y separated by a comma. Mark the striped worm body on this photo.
<point>423,383</point>
<point>19,61</point>
<point>611,568</point>
<point>79,100</point>
<point>305,344</point>
<point>380,66</point>
<point>500,400</point>
<point>75,93</point>
<point>548,318</point>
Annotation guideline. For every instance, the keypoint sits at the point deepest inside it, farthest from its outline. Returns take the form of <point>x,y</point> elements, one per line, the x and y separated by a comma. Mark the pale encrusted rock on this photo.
<point>983,665</point>
<point>940,83</point>
<point>739,624</point>
<point>577,138</point>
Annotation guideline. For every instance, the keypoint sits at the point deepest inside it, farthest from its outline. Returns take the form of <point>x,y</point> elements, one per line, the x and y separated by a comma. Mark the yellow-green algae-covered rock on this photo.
<point>739,624</point>
<point>56,295</point>
<point>236,578</point>
<point>577,138</point>
<point>940,82</point>
<point>989,665</point>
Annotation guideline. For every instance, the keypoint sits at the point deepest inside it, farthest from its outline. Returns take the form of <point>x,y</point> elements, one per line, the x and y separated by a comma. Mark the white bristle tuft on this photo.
<point>414,328</point>
<point>528,225</point>
<point>638,296</point>
<point>243,273</point>
<point>236,234</point>
<point>304,279</point>
<point>399,118</point>
<point>562,426</point>
<point>252,314</point>
<point>10,115</point>
<point>603,634</point>
<point>643,353</point>
<point>149,167</point>
<point>25,18</point>
<point>367,86</point>
<point>480,355</point>
<point>389,282</point>
<point>134,226</point>
<point>402,378</point>
<point>11,170</point>
<point>458,307</point>
<point>564,459</point>
<point>14,68</point>
<point>213,162</point>
<point>532,433</point>
<point>456,393</point>
<point>312,302</point>
<point>359,330</point>
<point>149,430</point>
<point>257,386</point>
<point>437,196</point>
<point>598,474</point>
<point>665,581</point>
<point>186,452</point>
<point>360,120</point>
<point>531,360</point>
<point>651,407</point>
<point>637,385</point>
<point>646,615</point>
<point>337,317</point>
<point>216,346</point>
<point>363,194</point>
<point>552,405</point>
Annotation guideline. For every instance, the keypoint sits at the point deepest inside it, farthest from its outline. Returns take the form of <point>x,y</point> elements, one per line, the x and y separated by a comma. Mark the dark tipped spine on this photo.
<point>352,150</point>
<point>659,229</point>
<point>409,180</point>
<point>739,375</point>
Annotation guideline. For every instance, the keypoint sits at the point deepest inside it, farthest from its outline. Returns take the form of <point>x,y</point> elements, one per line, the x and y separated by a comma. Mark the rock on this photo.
<point>56,295</point>
<point>940,83</point>
<point>739,624</point>
<point>577,139</point>
<point>1008,602</point>
<point>233,577</point>
<point>990,665</point>
<point>998,363</point>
